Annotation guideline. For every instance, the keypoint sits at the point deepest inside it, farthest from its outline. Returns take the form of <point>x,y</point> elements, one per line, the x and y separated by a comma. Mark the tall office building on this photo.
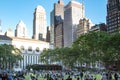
<point>39,24</point>
<point>48,34</point>
<point>74,11</point>
<point>52,29</point>
<point>21,30</point>
<point>113,16</point>
<point>57,17</point>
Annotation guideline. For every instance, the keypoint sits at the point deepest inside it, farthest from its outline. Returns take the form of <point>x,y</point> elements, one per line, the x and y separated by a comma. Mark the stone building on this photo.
<point>30,48</point>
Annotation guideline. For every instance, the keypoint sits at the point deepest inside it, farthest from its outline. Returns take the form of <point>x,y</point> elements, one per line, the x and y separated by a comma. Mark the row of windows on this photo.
<point>111,27</point>
<point>112,23</point>
<point>30,49</point>
<point>112,31</point>
<point>113,17</point>
<point>113,12</point>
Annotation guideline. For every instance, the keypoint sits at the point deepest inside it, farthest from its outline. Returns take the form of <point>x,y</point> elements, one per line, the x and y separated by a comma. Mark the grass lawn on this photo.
<point>27,77</point>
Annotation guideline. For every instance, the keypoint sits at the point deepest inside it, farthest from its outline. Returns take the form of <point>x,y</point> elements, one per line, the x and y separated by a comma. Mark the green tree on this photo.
<point>9,55</point>
<point>90,46</point>
<point>44,56</point>
<point>112,50</point>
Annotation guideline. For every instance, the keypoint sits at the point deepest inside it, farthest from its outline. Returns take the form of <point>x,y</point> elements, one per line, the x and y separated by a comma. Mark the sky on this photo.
<point>12,11</point>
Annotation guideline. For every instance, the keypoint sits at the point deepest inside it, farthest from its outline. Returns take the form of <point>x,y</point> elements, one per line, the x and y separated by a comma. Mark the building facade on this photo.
<point>74,11</point>
<point>113,16</point>
<point>99,27</point>
<point>57,17</point>
<point>21,30</point>
<point>52,29</point>
<point>48,34</point>
<point>39,24</point>
<point>30,49</point>
<point>84,26</point>
<point>59,36</point>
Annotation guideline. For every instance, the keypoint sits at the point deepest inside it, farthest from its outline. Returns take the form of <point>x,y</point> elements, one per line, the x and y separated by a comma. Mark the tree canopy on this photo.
<point>9,55</point>
<point>87,48</point>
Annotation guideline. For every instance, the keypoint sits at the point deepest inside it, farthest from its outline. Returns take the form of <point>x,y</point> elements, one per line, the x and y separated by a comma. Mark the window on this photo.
<point>37,49</point>
<point>22,48</point>
<point>30,48</point>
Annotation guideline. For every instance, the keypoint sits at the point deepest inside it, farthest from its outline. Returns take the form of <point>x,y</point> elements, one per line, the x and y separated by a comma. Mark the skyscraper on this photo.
<point>21,30</point>
<point>39,24</point>
<point>48,34</point>
<point>113,16</point>
<point>74,11</point>
<point>52,29</point>
<point>57,17</point>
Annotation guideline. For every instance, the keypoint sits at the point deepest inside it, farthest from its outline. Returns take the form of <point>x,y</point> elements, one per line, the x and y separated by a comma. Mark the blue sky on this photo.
<point>12,11</point>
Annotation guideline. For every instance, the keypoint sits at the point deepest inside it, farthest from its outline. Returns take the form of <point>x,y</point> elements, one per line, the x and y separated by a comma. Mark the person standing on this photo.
<point>116,76</point>
<point>81,75</point>
<point>78,78</point>
<point>69,78</point>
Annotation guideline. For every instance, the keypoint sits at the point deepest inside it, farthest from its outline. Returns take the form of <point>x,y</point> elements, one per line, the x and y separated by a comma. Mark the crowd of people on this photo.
<point>58,75</point>
<point>87,76</point>
<point>12,75</point>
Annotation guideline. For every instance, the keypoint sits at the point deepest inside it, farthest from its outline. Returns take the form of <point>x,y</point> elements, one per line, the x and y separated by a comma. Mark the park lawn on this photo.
<point>27,77</point>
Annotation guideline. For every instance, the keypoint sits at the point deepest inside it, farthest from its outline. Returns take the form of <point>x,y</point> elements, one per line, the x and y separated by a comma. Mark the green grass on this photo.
<point>27,77</point>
